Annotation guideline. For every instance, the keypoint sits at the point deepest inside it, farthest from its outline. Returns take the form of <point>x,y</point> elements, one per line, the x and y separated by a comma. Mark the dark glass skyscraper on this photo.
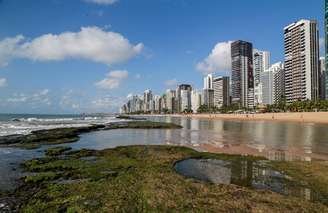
<point>242,78</point>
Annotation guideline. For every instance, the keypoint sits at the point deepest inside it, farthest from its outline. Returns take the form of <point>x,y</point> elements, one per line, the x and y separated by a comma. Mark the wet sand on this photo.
<point>301,117</point>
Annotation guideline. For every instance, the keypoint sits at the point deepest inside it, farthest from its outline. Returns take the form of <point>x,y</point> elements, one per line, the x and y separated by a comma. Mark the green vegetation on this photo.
<point>282,106</point>
<point>142,179</point>
<point>299,106</point>
<point>55,151</point>
<point>314,173</point>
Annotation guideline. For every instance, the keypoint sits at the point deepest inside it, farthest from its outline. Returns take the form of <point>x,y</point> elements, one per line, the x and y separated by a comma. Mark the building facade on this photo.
<point>148,98</point>
<point>196,100</point>
<point>302,61</point>
<point>261,63</point>
<point>208,82</point>
<point>157,104</point>
<point>208,97</point>
<point>184,97</point>
<point>242,78</point>
<point>278,82</point>
<point>267,82</point>
<point>221,87</point>
<point>171,101</point>
<point>322,78</point>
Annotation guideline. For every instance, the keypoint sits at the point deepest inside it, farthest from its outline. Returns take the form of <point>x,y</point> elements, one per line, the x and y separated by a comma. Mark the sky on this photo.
<point>84,56</point>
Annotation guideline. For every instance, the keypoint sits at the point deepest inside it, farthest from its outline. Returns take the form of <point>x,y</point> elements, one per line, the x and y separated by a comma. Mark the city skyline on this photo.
<point>95,82</point>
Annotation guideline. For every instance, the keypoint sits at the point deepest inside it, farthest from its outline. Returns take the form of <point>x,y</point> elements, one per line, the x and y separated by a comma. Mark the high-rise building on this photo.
<point>242,79</point>
<point>322,78</point>
<point>148,98</point>
<point>278,82</point>
<point>208,97</point>
<point>123,109</point>
<point>208,82</point>
<point>196,100</point>
<point>273,84</point>
<point>267,81</point>
<point>221,87</point>
<point>157,103</point>
<point>163,104</point>
<point>170,101</point>
<point>326,49</point>
<point>302,61</point>
<point>184,97</point>
<point>261,62</point>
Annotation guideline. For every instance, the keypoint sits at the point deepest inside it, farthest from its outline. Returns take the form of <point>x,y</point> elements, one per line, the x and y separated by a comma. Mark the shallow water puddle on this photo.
<point>250,174</point>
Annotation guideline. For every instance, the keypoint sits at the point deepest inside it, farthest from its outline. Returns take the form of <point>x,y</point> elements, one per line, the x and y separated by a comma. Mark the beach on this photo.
<point>301,117</point>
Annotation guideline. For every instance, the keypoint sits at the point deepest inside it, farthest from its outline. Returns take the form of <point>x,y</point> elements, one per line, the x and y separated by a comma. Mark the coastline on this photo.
<point>299,117</point>
<point>69,135</point>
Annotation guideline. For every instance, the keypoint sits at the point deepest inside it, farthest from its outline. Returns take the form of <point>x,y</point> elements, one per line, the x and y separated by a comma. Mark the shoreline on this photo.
<point>70,135</point>
<point>298,117</point>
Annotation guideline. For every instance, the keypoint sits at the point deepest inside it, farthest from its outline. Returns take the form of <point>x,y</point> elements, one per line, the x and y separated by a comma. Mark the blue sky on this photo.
<point>72,56</point>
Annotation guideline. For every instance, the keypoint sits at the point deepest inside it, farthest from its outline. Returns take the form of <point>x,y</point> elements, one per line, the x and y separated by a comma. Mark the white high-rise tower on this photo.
<point>302,61</point>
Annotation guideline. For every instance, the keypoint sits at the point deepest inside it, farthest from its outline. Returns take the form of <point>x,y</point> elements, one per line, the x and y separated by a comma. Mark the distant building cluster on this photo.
<point>254,81</point>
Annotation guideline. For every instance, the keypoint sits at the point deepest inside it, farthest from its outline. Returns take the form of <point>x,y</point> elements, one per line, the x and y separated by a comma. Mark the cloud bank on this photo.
<point>218,60</point>
<point>113,79</point>
<point>90,43</point>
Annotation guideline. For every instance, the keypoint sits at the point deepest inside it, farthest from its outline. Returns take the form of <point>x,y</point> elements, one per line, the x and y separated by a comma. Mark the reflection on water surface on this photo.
<point>248,174</point>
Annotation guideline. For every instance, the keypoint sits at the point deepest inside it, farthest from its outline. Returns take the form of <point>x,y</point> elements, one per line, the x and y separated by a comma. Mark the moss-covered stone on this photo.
<point>142,179</point>
<point>55,151</point>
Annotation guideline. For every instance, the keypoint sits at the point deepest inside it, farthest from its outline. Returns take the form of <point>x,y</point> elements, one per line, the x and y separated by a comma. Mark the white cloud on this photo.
<point>8,49</point>
<point>103,2</point>
<point>118,74</point>
<point>113,79</point>
<point>37,98</point>
<point>3,82</point>
<point>91,43</point>
<point>18,98</point>
<point>108,83</point>
<point>218,60</point>
<point>106,104</point>
<point>171,82</point>
<point>70,100</point>
<point>78,101</point>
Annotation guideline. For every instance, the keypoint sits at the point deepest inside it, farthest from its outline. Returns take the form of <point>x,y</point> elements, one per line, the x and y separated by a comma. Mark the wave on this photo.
<point>24,126</point>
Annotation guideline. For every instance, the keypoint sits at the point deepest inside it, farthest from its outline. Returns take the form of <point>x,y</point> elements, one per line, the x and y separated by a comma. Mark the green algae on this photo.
<point>142,179</point>
<point>55,151</point>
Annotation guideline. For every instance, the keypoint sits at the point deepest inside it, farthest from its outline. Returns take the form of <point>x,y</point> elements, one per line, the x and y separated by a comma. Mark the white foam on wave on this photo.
<point>25,126</point>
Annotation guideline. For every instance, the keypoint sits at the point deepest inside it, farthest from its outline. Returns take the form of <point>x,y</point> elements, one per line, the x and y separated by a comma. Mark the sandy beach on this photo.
<point>301,117</point>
